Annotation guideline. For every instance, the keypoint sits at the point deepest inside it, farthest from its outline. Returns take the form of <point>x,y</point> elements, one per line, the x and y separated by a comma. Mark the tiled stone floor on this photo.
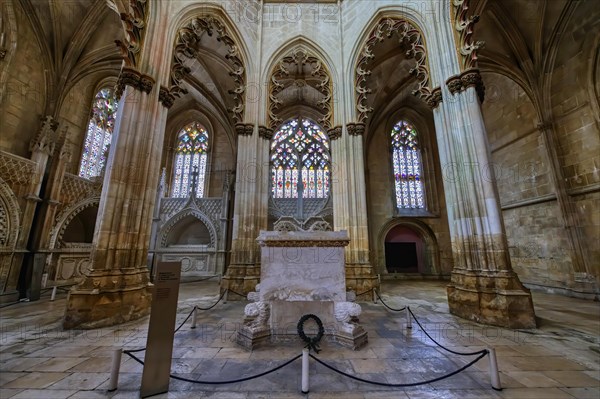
<point>560,359</point>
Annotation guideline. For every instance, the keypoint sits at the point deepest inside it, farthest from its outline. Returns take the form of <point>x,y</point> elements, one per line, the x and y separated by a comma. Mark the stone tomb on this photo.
<point>302,272</point>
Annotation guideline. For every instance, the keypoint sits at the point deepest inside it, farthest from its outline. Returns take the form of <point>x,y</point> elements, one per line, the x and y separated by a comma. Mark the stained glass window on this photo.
<point>99,134</point>
<point>300,148</point>
<point>406,159</point>
<point>191,155</point>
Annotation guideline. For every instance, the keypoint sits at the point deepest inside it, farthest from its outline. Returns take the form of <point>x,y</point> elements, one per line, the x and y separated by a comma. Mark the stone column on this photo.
<point>483,286</point>
<point>249,217</point>
<point>350,206</point>
<point>118,288</point>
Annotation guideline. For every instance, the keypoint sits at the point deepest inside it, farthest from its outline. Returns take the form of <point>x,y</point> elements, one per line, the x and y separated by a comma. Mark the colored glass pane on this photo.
<point>191,154</point>
<point>300,144</point>
<point>406,163</point>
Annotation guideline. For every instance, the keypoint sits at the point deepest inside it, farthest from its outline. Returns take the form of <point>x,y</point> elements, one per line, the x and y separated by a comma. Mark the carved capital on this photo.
<point>244,129</point>
<point>472,78</point>
<point>133,78</point>
<point>544,125</point>
<point>435,98</point>
<point>356,129</point>
<point>335,133</point>
<point>2,53</point>
<point>265,132</point>
<point>165,97</point>
<point>454,84</point>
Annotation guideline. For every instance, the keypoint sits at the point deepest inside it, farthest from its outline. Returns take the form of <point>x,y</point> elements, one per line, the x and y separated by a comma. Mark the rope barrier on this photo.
<point>236,293</point>
<point>213,305</point>
<point>386,305</point>
<point>128,353</point>
<point>366,292</point>
<point>411,384</point>
<point>186,319</point>
<point>441,346</point>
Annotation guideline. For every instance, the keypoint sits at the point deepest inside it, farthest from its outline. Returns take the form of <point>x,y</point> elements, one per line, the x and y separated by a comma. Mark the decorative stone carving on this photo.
<point>356,129</point>
<point>347,314</point>
<point>45,140</point>
<point>464,24</point>
<point>15,170</point>
<point>335,133</point>
<point>134,78</point>
<point>165,97</point>
<point>185,48</point>
<point>244,129</point>
<point>288,223</point>
<point>435,99</point>
<point>469,78</point>
<point>10,213</point>
<point>410,37</point>
<point>134,23</point>
<point>290,70</point>
<point>265,132</point>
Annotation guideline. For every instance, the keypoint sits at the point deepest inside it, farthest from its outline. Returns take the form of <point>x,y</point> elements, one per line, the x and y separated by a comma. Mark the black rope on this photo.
<point>441,346</point>
<point>411,384</point>
<point>186,319</point>
<point>236,293</point>
<point>220,382</point>
<point>366,292</point>
<point>214,304</point>
<point>134,350</point>
<point>386,305</point>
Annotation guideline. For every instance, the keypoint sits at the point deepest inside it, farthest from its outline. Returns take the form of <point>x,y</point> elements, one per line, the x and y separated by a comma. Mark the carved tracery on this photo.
<point>186,47</point>
<point>411,41</point>
<point>300,72</point>
<point>464,24</point>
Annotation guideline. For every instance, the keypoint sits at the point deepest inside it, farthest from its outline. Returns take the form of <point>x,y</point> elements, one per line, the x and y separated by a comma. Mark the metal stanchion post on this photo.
<point>494,374</point>
<point>374,296</point>
<point>53,293</point>
<point>226,295</point>
<point>305,383</point>
<point>114,371</point>
<point>194,312</point>
<point>408,318</point>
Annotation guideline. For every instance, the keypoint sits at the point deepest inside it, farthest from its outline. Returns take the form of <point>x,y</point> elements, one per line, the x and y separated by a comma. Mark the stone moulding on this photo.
<point>355,129</point>
<point>300,56</point>
<point>334,133</point>
<point>244,129</point>
<point>303,239</point>
<point>265,132</point>
<point>436,98</point>
<point>411,39</point>
<point>134,78</point>
<point>185,43</point>
<point>165,97</point>
<point>468,78</point>
<point>463,26</point>
<point>134,23</point>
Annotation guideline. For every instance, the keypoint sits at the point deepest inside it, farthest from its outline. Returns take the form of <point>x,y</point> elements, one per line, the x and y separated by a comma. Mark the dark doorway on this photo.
<point>401,257</point>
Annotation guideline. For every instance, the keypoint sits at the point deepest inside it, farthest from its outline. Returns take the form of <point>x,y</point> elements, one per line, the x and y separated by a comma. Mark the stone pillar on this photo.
<point>350,207</point>
<point>483,286</point>
<point>249,214</point>
<point>118,288</point>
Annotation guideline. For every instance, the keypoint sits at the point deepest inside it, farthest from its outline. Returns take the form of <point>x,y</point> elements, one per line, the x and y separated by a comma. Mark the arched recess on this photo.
<point>81,212</point>
<point>204,49</point>
<point>404,230</point>
<point>9,217</point>
<point>184,220</point>
<point>300,81</point>
<point>377,48</point>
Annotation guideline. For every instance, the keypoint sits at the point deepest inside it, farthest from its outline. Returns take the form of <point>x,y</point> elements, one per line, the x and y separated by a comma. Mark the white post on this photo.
<point>494,374</point>
<point>194,312</point>
<point>53,293</point>
<point>374,296</point>
<point>44,280</point>
<point>225,296</point>
<point>114,371</point>
<point>408,318</point>
<point>305,370</point>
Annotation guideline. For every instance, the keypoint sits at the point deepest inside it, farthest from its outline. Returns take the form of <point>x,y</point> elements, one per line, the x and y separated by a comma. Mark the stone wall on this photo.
<point>24,101</point>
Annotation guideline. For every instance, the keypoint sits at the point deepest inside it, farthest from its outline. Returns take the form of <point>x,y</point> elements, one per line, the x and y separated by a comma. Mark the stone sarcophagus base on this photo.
<point>301,273</point>
<point>497,298</point>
